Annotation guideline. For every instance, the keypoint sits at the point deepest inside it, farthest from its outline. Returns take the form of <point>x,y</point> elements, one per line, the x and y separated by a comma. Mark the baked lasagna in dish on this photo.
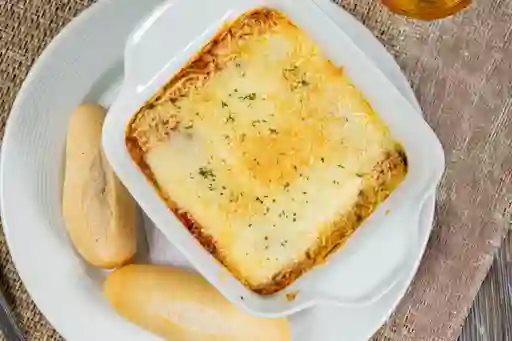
<point>266,151</point>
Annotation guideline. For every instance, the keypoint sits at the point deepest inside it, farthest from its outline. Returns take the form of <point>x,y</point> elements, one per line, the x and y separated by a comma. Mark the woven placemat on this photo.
<point>461,71</point>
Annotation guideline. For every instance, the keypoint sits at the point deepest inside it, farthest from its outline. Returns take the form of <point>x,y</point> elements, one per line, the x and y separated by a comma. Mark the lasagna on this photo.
<point>265,150</point>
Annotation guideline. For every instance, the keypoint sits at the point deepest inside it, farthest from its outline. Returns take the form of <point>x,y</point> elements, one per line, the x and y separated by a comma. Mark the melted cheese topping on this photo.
<point>270,152</point>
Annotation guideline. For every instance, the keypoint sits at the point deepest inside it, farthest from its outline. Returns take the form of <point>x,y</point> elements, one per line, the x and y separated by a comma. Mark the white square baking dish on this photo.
<point>164,42</point>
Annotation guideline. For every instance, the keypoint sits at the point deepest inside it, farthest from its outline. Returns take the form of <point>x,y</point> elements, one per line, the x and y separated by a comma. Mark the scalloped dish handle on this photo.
<point>143,67</point>
<point>403,225</point>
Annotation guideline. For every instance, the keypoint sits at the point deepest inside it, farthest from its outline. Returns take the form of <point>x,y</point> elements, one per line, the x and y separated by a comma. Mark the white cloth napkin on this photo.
<point>159,249</point>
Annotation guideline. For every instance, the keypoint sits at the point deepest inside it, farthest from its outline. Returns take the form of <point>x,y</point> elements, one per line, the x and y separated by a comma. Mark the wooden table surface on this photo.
<point>490,318</point>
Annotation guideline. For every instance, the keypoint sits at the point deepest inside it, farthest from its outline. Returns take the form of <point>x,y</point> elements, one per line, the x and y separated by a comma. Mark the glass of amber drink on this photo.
<point>426,9</point>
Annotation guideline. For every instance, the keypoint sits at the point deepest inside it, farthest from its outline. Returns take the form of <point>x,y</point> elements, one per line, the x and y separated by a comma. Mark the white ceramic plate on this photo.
<point>85,63</point>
